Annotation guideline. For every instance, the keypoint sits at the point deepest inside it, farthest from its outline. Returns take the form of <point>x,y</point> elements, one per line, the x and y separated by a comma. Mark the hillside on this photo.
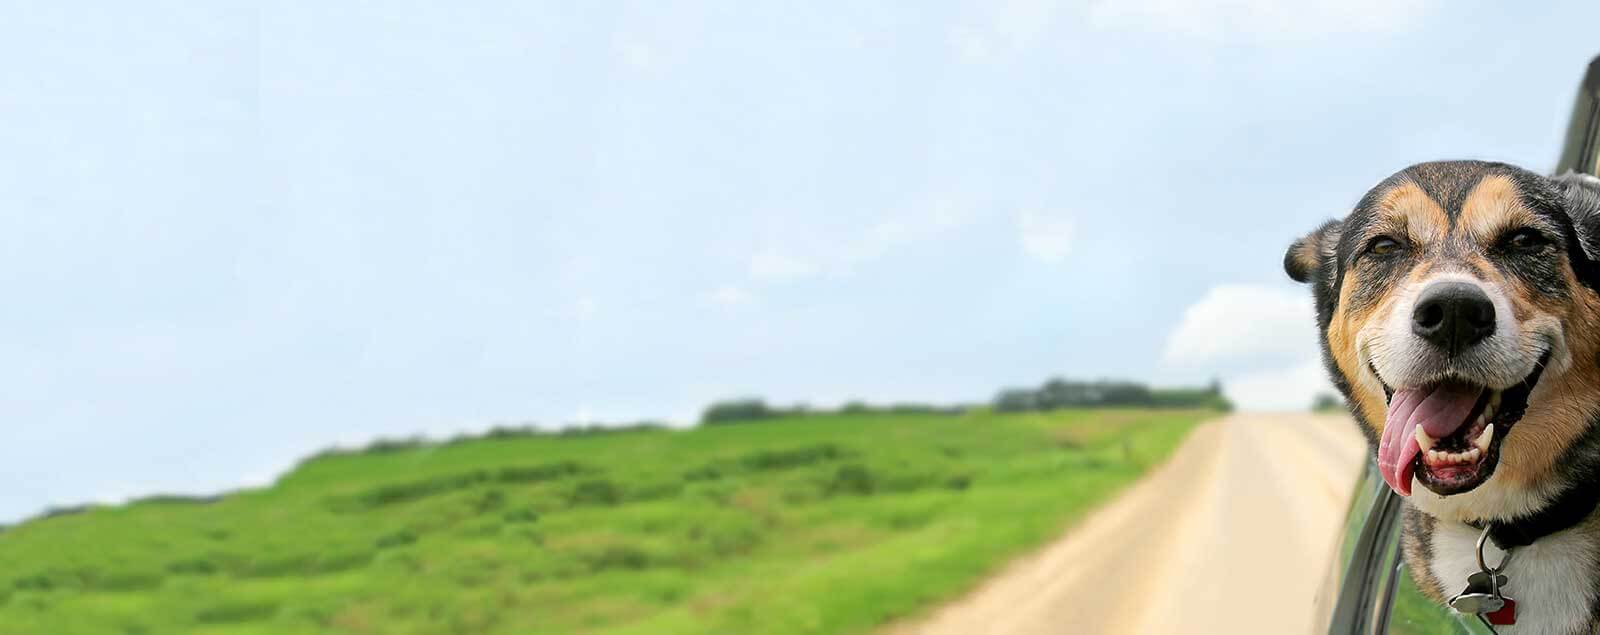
<point>809,524</point>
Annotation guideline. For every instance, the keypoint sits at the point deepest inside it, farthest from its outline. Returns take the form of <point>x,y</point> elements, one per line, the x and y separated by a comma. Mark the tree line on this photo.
<point>1052,395</point>
<point>1064,393</point>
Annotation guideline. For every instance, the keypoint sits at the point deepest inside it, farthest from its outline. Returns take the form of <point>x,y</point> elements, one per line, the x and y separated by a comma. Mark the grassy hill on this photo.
<point>812,524</point>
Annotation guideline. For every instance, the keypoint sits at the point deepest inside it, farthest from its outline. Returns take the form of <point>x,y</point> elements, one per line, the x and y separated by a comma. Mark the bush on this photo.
<point>1327,402</point>
<point>414,490</point>
<point>796,457</point>
<point>236,611</point>
<point>396,539</point>
<point>595,492</point>
<point>737,411</point>
<point>537,473</point>
<point>852,479</point>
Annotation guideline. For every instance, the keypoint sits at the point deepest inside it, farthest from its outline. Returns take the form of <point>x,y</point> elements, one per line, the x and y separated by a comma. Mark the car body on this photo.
<point>1369,589</point>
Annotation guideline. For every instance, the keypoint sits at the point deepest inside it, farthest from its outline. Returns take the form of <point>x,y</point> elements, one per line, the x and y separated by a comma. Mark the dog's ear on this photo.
<point>1308,254</point>
<point>1580,195</point>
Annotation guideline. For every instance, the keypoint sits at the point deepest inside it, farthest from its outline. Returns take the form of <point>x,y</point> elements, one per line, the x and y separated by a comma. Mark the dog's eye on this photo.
<point>1384,246</point>
<point>1526,241</point>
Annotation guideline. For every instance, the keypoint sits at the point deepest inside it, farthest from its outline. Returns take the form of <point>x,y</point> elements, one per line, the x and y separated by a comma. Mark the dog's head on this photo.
<point>1459,316</point>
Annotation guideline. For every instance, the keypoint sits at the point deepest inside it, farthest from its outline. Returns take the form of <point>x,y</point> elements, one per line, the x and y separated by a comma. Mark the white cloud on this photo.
<point>1047,237</point>
<point>729,296</point>
<point>584,308</point>
<point>637,55</point>
<point>930,219</point>
<point>935,218</point>
<point>772,264</point>
<point>1003,28</point>
<point>1234,322</point>
<point>1287,388</point>
<point>1262,340</point>
<point>1258,19</point>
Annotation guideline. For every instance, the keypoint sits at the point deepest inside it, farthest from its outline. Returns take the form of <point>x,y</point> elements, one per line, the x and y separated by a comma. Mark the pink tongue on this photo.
<point>1440,411</point>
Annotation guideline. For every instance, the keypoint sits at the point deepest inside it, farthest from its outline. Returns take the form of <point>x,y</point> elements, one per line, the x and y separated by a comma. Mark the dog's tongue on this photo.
<point>1440,410</point>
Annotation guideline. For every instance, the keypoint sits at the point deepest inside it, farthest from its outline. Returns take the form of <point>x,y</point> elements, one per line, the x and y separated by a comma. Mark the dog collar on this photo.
<point>1570,508</point>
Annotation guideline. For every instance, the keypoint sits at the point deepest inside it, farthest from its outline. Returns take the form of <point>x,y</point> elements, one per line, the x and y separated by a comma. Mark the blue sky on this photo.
<point>235,234</point>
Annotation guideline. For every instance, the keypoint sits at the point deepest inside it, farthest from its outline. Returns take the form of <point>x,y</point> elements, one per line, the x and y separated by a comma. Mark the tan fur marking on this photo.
<point>1563,405</point>
<point>1492,207</point>
<point>1424,221</point>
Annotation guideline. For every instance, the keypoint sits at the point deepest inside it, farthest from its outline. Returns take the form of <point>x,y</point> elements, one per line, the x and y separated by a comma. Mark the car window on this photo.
<point>1370,583</point>
<point>1412,613</point>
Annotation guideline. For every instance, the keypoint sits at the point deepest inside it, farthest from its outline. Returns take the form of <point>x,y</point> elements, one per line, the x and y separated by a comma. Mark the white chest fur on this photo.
<point>1550,579</point>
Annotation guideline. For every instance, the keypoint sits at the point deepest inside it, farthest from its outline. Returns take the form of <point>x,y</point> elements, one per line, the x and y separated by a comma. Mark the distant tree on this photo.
<point>737,411</point>
<point>1327,402</point>
<point>855,408</point>
<point>1062,393</point>
<point>1016,400</point>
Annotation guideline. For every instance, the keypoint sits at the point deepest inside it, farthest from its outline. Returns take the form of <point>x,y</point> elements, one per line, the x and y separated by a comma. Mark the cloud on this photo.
<point>584,308</point>
<point>1258,19</point>
<point>1260,339</point>
<point>1047,237</point>
<point>850,247</point>
<point>1003,28</point>
<point>772,264</point>
<point>1287,388</point>
<point>637,55</point>
<point>935,218</point>
<point>1234,322</point>
<point>729,296</point>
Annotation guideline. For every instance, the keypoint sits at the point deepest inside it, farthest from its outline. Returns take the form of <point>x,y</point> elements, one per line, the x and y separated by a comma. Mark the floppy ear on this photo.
<point>1580,195</point>
<point>1308,254</point>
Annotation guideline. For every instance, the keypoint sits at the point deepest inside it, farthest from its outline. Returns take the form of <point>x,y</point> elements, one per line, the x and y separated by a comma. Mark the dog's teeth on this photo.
<point>1424,440</point>
<point>1473,454</point>
<point>1481,443</point>
<point>1435,456</point>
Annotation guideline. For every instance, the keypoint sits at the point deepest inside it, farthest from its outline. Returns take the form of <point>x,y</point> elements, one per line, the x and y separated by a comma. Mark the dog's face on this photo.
<point>1457,317</point>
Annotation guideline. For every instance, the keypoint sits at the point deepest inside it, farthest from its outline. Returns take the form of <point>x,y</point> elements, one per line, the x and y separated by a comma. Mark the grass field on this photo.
<point>815,524</point>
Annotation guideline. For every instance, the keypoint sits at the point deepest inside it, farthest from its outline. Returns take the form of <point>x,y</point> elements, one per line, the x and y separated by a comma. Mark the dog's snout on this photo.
<point>1453,316</point>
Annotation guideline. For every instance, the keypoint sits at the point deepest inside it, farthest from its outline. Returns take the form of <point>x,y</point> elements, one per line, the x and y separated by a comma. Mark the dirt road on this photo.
<point>1230,536</point>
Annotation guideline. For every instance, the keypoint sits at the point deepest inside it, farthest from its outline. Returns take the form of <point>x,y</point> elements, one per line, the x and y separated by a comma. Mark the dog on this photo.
<point>1458,306</point>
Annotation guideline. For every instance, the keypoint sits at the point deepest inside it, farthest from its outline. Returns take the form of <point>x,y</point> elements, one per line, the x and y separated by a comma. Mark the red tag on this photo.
<point>1506,616</point>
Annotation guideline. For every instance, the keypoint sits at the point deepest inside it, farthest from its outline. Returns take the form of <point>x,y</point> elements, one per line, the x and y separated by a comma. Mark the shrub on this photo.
<point>595,492</point>
<point>737,411</point>
<point>399,538</point>
<point>491,500</point>
<point>537,473</point>
<point>617,557</point>
<point>192,566</point>
<point>707,472</point>
<point>791,458</point>
<point>852,479</point>
<point>236,611</point>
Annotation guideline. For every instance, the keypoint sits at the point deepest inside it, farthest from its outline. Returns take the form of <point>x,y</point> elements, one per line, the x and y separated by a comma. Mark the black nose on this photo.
<point>1453,315</point>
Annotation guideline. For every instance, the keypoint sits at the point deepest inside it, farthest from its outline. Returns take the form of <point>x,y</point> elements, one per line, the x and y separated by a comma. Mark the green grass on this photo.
<point>1414,614</point>
<point>817,524</point>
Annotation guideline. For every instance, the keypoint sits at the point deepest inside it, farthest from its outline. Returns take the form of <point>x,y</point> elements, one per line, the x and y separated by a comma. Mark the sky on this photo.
<point>234,234</point>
